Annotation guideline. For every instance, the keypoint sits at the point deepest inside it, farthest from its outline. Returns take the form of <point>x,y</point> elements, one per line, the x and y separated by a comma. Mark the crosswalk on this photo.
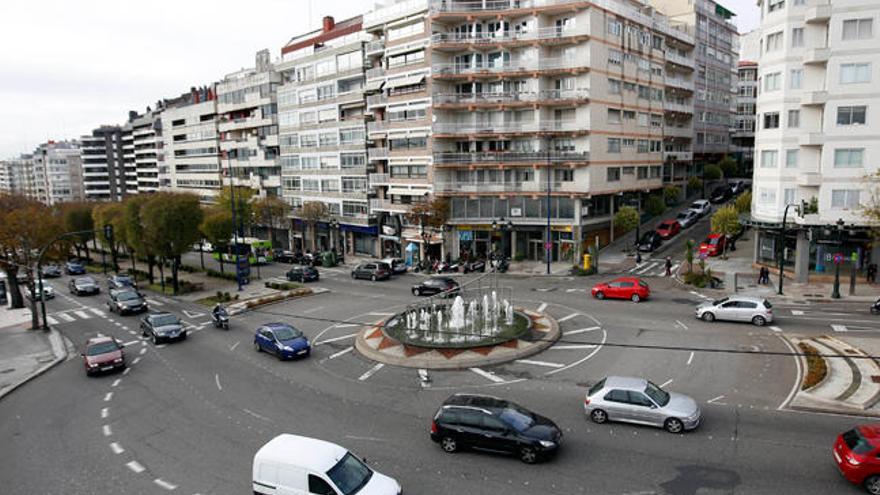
<point>73,315</point>
<point>653,268</point>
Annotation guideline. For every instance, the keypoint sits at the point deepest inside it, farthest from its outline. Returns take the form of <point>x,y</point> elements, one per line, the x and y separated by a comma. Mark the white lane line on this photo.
<point>540,363</point>
<point>796,385</point>
<point>566,318</point>
<point>135,466</point>
<point>346,325</point>
<point>485,374</point>
<point>381,314</point>
<point>104,412</point>
<point>342,352</point>
<point>126,371</point>
<point>335,339</point>
<point>797,312</point>
<point>264,418</point>
<point>580,330</point>
<point>154,302</point>
<point>116,448</point>
<point>371,371</point>
<point>715,400</point>
<point>690,358</point>
<point>585,358</point>
<point>107,431</point>
<point>164,484</point>
<point>82,314</point>
<point>217,381</point>
<point>570,347</point>
<point>542,307</point>
<point>838,328</point>
<point>682,325</point>
<point>667,382</point>
<point>116,382</point>
<point>65,317</point>
<point>124,327</point>
<point>97,311</point>
<point>52,321</point>
<point>133,342</point>
<point>136,360</point>
<point>108,396</point>
<point>312,310</point>
<point>132,332</point>
<point>775,329</point>
<point>233,346</point>
<point>144,350</point>
<point>117,324</point>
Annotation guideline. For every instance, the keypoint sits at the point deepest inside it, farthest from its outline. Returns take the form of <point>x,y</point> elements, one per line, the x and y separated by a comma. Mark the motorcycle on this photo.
<point>500,265</point>
<point>475,266</point>
<point>444,267</point>
<point>875,308</point>
<point>220,320</point>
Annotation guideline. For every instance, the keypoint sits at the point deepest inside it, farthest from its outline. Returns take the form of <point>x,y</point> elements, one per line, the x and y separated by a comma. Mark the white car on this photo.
<point>46,291</point>
<point>701,207</point>
<point>687,218</point>
<point>755,310</point>
<point>205,247</point>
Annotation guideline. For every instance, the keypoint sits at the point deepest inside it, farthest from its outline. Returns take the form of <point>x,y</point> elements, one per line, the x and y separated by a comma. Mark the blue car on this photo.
<point>282,340</point>
<point>75,268</point>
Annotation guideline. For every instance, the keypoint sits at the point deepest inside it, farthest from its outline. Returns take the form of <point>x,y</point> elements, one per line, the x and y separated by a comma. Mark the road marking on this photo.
<point>192,314</point>
<point>264,418</point>
<point>580,330</point>
<point>232,348</point>
<point>312,310</point>
<point>116,448</point>
<point>424,379</point>
<point>104,412</point>
<point>838,328</point>
<point>107,430</point>
<point>486,374</point>
<point>342,352</point>
<point>116,382</point>
<point>371,371</point>
<point>542,307</point>
<point>133,342</point>
<point>126,371</point>
<point>217,381</point>
<point>52,321</point>
<point>132,332</point>
<point>154,302</point>
<point>540,363</point>
<point>346,325</point>
<point>108,396</point>
<point>82,314</point>
<point>690,358</point>
<point>674,267</point>
<point>713,401</point>
<point>585,358</point>
<point>682,325</point>
<point>65,317</point>
<point>98,312</point>
<point>164,484</point>
<point>144,350</point>
<point>797,312</point>
<point>136,360</point>
<point>136,467</point>
<point>567,317</point>
<point>371,439</point>
<point>334,339</point>
<point>775,329</point>
<point>381,314</point>
<point>117,324</point>
<point>664,384</point>
<point>570,347</point>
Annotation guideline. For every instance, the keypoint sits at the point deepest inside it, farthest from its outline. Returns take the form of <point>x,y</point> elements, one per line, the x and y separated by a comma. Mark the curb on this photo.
<point>242,305</point>
<point>59,349</point>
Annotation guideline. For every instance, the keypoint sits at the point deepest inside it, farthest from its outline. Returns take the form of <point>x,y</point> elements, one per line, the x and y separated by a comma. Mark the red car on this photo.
<point>713,245</point>
<point>856,454</point>
<point>103,354</point>
<point>632,288</point>
<point>668,228</point>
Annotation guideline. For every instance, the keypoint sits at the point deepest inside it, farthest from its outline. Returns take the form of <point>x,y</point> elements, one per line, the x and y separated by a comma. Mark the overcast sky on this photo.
<point>70,66</point>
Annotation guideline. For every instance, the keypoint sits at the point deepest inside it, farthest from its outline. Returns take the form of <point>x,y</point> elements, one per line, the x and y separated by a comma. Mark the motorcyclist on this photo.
<point>217,311</point>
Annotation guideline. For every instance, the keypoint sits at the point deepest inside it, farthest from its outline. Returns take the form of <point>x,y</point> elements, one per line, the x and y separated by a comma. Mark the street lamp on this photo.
<point>835,293</point>
<point>334,227</point>
<point>801,209</point>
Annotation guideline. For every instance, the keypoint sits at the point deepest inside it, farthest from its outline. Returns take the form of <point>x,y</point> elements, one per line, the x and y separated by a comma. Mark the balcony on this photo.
<point>677,82</point>
<point>510,157</point>
<point>536,186</point>
<point>674,58</point>
<point>679,156</point>
<point>375,72</point>
<point>374,47</point>
<point>380,99</point>
<point>511,127</point>
<point>817,56</point>
<point>464,40</point>
<point>671,106</point>
<point>814,98</point>
<point>380,153</point>
<point>547,96</point>
<point>818,14</point>
<point>463,6</point>
<point>812,139</point>
<point>378,180</point>
<point>387,205</point>
<point>513,67</point>
<point>671,131</point>
<point>809,179</point>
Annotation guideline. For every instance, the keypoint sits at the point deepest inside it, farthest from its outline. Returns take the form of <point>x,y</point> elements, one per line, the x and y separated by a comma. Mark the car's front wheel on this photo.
<point>872,485</point>
<point>600,295</point>
<point>155,339</point>
<point>708,316</point>
<point>528,455</point>
<point>372,278</point>
<point>257,347</point>
<point>759,321</point>
<point>673,425</point>
<point>598,416</point>
<point>353,275</point>
<point>448,444</point>
<point>635,298</point>
<point>416,292</point>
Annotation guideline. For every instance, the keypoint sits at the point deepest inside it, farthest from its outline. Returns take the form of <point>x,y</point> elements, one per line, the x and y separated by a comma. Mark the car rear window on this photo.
<point>856,442</point>
<point>767,304</point>
<point>597,387</point>
<point>643,283</point>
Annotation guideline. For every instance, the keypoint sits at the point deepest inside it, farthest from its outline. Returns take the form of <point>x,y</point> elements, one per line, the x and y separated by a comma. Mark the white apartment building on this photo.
<point>191,145</point>
<point>817,137</point>
<point>584,102</point>
<point>105,174</point>
<point>16,176</point>
<point>146,142</point>
<point>57,173</point>
<point>322,134</point>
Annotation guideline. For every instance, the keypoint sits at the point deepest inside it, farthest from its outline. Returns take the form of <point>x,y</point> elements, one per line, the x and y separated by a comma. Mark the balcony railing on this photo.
<point>375,72</point>
<point>675,58</point>
<point>545,33</point>
<point>672,106</point>
<point>481,5</point>
<point>375,100</point>
<point>441,186</point>
<point>377,180</point>
<point>678,82</point>
<point>374,47</point>
<point>510,157</point>
<point>507,127</point>
<point>380,153</point>
<point>511,97</point>
<point>488,67</point>
<point>681,156</point>
<point>387,205</point>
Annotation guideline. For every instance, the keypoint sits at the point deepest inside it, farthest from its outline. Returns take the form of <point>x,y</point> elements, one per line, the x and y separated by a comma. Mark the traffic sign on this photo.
<point>548,246</point>
<point>838,258</point>
<point>703,255</point>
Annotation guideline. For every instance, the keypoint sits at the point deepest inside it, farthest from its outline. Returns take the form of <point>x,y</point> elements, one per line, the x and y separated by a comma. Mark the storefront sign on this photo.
<point>561,228</point>
<point>516,212</point>
<point>465,235</point>
<point>474,227</point>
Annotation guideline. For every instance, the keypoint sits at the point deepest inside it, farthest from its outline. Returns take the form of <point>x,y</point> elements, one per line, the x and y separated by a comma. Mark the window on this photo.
<point>851,115</point>
<point>629,115</point>
<point>797,37</point>
<point>771,81</point>
<point>791,159</point>
<point>348,61</point>
<point>326,92</point>
<point>614,145</point>
<point>771,120</point>
<point>644,92</point>
<point>563,175</point>
<point>768,158</point>
<point>643,119</point>
<point>797,79</point>
<point>855,73</point>
<point>319,486</point>
<point>613,174</point>
<point>642,146</point>
<point>614,86</point>
<point>615,27</point>
<point>766,196</point>
<point>614,57</point>
<point>847,199</point>
<point>774,41</point>
<point>330,185</point>
<point>325,67</point>
<point>404,31</point>
<point>613,116</point>
<point>848,157</point>
<point>327,115</point>
<point>858,29</point>
<point>327,139</point>
<point>788,196</point>
<point>775,5</point>
<point>794,119</point>
<point>352,160</point>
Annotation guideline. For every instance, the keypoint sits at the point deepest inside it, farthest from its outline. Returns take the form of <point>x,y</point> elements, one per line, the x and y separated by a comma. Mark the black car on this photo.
<point>282,256</point>
<point>162,326</point>
<point>124,301</point>
<point>303,274</point>
<point>650,241</point>
<point>720,194</point>
<point>737,187</point>
<point>3,297</point>
<point>83,285</point>
<point>74,267</point>
<point>373,270</point>
<point>51,271</point>
<point>436,285</point>
<point>120,282</point>
<point>493,424</point>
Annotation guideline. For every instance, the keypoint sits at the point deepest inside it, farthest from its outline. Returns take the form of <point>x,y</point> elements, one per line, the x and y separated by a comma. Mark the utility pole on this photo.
<point>234,223</point>
<point>548,247</point>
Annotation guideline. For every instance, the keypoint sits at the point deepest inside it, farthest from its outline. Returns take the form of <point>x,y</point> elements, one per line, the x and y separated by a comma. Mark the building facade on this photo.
<point>146,142</point>
<point>816,142</point>
<point>743,130</point>
<point>57,173</point>
<point>105,174</point>
<point>16,176</point>
<point>322,134</point>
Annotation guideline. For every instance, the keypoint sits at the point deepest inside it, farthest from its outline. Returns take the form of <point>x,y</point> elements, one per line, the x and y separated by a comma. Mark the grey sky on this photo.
<point>70,66</point>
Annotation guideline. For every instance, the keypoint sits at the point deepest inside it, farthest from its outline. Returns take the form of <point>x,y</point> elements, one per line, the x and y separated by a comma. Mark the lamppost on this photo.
<point>334,227</point>
<point>835,293</point>
<point>234,224</point>
<point>801,209</point>
<point>548,246</point>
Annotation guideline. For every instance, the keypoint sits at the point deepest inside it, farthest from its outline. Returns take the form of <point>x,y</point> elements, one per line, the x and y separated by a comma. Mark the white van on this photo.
<point>294,465</point>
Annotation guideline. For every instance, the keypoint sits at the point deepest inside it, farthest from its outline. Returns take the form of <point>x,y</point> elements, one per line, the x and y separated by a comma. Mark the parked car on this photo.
<point>103,354</point>
<point>649,242</point>
<point>474,265</point>
<point>282,340</point>
<point>205,247</point>
<point>737,187</point>
<point>757,310</point>
<point>687,218</point>
<point>858,457</point>
<point>668,229</point>
<point>74,267</point>
<point>284,256</point>
<point>636,400</point>
<point>303,273</point>
<point>127,300</point>
<point>397,265</point>
<point>492,424</point>
<point>39,291</point>
<point>720,194</point>
<point>162,326</point>
<point>436,285</point>
<point>701,207</point>
<point>83,285</point>
<point>374,270</point>
<point>3,297</point>
<point>51,271</point>
<point>632,288</point>
<point>120,282</point>
<point>294,464</point>
<point>713,245</point>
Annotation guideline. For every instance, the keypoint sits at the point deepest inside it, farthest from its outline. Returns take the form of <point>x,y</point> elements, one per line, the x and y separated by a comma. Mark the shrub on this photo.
<point>655,205</point>
<point>626,219</point>
<point>712,172</point>
<point>694,185</point>
<point>282,285</point>
<point>744,202</point>
<point>671,194</point>
<point>519,257</point>
<point>216,274</point>
<point>816,366</point>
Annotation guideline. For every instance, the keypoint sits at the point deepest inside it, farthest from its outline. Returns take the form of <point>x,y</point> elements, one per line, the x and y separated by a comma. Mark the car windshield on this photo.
<point>856,442</point>
<point>712,241</point>
<point>123,280</point>
<point>102,348</point>
<point>162,320</point>
<point>720,301</point>
<point>657,395</point>
<point>286,333</point>
<point>127,296</point>
<point>350,474</point>
<point>666,225</point>
<point>519,419</point>
<point>84,281</point>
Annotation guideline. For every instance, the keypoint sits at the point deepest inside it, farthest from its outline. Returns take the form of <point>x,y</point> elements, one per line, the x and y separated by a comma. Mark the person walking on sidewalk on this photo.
<point>668,266</point>
<point>872,273</point>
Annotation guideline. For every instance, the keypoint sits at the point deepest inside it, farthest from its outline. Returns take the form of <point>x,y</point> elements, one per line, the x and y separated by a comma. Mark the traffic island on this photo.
<point>273,297</point>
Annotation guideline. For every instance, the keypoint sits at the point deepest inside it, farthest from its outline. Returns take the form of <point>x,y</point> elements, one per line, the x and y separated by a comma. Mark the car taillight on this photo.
<point>586,401</point>
<point>434,428</point>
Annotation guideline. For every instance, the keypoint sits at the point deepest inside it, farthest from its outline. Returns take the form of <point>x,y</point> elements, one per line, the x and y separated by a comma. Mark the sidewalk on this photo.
<point>24,353</point>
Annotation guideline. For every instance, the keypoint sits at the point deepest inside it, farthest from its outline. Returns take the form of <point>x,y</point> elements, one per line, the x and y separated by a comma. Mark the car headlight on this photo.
<point>117,360</point>
<point>547,444</point>
<point>287,348</point>
<point>93,365</point>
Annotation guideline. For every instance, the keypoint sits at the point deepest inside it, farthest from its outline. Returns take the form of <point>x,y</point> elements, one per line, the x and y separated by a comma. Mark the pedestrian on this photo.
<point>872,273</point>
<point>765,275</point>
<point>668,266</point>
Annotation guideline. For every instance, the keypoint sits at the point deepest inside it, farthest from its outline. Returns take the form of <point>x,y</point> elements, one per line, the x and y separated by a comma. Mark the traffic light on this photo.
<point>108,232</point>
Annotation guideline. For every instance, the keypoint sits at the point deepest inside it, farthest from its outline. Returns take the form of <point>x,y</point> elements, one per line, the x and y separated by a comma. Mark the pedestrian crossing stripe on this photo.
<point>97,311</point>
<point>652,268</point>
<point>155,302</point>
<point>65,317</point>
<point>82,314</point>
<point>52,321</point>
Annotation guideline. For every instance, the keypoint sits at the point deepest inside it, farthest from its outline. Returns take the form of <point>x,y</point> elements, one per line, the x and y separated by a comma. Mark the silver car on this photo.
<point>756,310</point>
<point>636,400</point>
<point>687,218</point>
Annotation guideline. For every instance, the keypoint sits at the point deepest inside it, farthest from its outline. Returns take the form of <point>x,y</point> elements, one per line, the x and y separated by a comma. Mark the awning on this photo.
<point>405,81</point>
<point>405,191</point>
<point>374,85</point>
<point>359,229</point>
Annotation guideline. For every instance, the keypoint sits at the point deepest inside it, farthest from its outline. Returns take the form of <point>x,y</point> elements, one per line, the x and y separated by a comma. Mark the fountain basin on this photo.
<point>396,328</point>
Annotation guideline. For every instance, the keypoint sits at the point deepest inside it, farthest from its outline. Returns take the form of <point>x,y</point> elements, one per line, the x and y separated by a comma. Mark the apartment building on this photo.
<point>191,144</point>
<point>143,136</point>
<point>56,168</point>
<point>554,112</point>
<point>248,127</point>
<point>817,140</point>
<point>322,136</point>
<point>742,133</point>
<point>16,176</point>
<point>717,55</point>
<point>106,176</point>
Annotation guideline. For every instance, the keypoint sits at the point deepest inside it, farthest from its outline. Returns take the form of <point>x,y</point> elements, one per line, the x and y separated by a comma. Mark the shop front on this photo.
<point>359,239</point>
<point>527,241</point>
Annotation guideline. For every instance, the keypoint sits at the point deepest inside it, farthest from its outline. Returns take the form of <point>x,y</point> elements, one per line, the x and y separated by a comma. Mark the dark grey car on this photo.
<point>162,326</point>
<point>126,301</point>
<point>374,270</point>
<point>83,285</point>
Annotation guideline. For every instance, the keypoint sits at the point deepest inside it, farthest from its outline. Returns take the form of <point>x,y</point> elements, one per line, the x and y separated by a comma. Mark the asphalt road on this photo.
<point>189,416</point>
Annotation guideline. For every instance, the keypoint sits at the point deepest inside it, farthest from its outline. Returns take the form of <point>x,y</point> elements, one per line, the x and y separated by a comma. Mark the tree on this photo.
<point>271,212</point>
<point>135,236</point>
<point>725,221</point>
<point>171,223</point>
<point>728,166</point>
<point>216,227</point>
<point>655,206</point>
<point>243,209</point>
<point>743,203</point>
<point>110,214</point>
<point>626,219</point>
<point>671,194</point>
<point>311,213</point>
<point>694,185</point>
<point>433,213</point>
<point>689,254</point>
<point>712,173</point>
<point>78,218</point>
<point>812,206</point>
